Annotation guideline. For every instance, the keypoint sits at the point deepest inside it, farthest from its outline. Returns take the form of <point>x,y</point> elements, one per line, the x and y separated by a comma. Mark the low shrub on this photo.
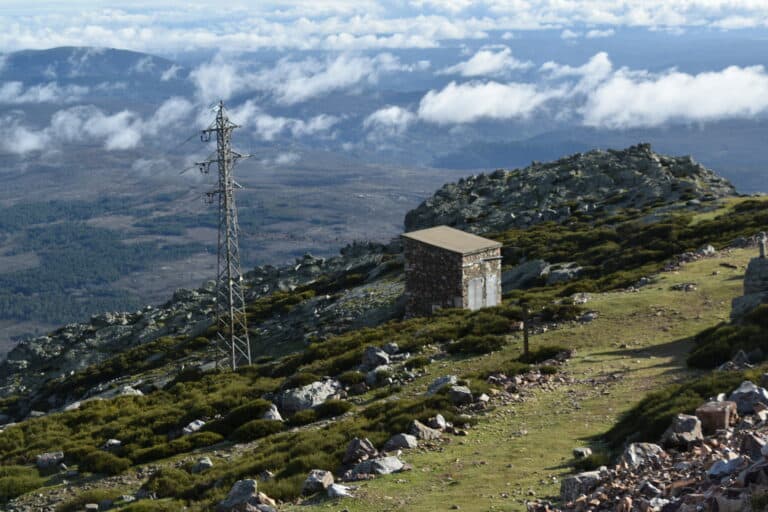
<point>332,408</point>
<point>169,482</point>
<point>104,463</point>
<point>238,416</point>
<point>304,417</point>
<point>418,362</point>
<point>720,343</point>
<point>548,369</point>
<point>648,420</point>
<point>541,354</point>
<point>18,480</point>
<point>592,462</point>
<point>155,506</point>
<point>473,344</point>
<point>300,379</point>
<point>78,503</point>
<point>256,429</point>
<point>351,377</point>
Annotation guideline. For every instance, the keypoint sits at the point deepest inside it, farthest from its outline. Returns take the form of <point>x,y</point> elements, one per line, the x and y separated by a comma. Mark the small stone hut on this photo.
<point>449,268</point>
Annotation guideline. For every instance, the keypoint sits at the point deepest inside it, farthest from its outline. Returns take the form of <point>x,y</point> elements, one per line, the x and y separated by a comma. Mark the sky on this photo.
<point>183,25</point>
<point>453,64</point>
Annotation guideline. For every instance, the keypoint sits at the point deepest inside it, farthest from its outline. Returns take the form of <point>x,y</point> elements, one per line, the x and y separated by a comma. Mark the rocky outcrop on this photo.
<point>311,395</point>
<point>631,178</point>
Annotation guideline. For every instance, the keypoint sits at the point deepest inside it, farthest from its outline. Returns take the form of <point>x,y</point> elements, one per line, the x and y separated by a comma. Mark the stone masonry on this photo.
<point>755,283</point>
<point>448,268</point>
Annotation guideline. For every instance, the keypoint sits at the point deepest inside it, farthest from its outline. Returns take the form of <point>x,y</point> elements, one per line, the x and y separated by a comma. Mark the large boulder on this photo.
<point>374,356</point>
<point>725,467</point>
<point>641,454</point>
<point>747,395</point>
<point>575,485</point>
<point>423,432</point>
<point>382,466</point>
<point>317,480</point>
<point>359,450</point>
<point>311,395</point>
<point>440,382</point>
<point>715,415</point>
<point>522,275</point>
<point>245,497</point>
<point>755,289</point>
<point>272,414</point>
<point>49,460</point>
<point>460,395</point>
<point>400,441</point>
<point>684,432</point>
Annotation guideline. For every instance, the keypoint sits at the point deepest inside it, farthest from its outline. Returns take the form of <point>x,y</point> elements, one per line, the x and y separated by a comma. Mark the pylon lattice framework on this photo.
<point>232,326</point>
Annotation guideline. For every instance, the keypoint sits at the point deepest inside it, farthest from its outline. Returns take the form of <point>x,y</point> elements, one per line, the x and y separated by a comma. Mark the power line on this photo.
<point>231,322</point>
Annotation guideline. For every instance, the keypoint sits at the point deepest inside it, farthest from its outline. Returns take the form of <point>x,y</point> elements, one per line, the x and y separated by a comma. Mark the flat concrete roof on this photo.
<point>452,239</point>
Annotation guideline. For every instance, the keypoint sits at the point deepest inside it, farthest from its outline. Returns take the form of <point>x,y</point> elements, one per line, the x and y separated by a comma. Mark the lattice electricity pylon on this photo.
<point>232,326</point>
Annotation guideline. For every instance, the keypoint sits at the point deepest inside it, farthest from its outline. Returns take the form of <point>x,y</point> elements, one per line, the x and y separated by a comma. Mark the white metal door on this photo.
<point>491,291</point>
<point>475,293</point>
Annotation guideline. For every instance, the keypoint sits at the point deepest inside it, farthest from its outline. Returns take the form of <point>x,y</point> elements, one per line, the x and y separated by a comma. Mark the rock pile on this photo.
<point>631,178</point>
<point>716,460</point>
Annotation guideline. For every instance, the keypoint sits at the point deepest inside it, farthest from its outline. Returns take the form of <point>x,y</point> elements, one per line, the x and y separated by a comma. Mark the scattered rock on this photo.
<point>339,491</point>
<point>359,450</point>
<point>244,497</point>
<point>203,464</point>
<point>193,427</point>
<point>311,395</point>
<point>374,356</point>
<point>715,416</point>
<point>574,486</point>
<point>582,453</point>
<point>400,441</point>
<point>438,384</point>
<point>272,414</point>
<point>49,460</point>
<point>423,432</point>
<point>318,480</point>
<point>684,432</point>
<point>747,395</point>
<point>460,395</point>
<point>637,454</point>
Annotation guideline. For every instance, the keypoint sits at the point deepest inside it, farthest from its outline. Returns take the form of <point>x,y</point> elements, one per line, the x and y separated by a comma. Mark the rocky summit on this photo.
<point>634,177</point>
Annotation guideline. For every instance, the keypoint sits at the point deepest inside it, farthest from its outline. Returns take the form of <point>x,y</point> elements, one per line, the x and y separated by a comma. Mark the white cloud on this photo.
<point>389,121</point>
<point>595,33</point>
<point>15,93</point>
<point>269,127</point>
<point>632,99</point>
<point>173,26</point>
<point>470,102</point>
<point>291,81</point>
<point>488,63</point>
<point>170,73</point>
<point>590,74</point>
<point>506,36</point>
<point>145,64</point>
<point>289,158</point>
<point>569,34</point>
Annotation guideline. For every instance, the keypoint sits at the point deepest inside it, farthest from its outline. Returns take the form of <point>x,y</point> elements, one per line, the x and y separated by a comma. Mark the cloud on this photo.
<point>14,93</point>
<point>594,34</point>
<point>487,63</point>
<point>18,139</point>
<point>289,158</point>
<point>268,127</point>
<point>294,81</point>
<point>389,121</point>
<point>470,102</point>
<point>590,74</point>
<point>569,34</point>
<point>170,73</point>
<point>173,26</point>
<point>144,65</point>
<point>636,99</point>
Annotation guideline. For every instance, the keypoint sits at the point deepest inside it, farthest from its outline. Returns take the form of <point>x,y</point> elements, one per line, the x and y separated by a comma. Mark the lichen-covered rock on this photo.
<point>637,454</point>
<point>400,441</point>
<point>311,395</point>
<point>583,483</point>
<point>359,450</point>
<point>423,432</point>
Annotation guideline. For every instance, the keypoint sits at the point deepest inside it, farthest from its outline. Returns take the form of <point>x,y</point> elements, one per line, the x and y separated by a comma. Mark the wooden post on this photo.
<point>525,329</point>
